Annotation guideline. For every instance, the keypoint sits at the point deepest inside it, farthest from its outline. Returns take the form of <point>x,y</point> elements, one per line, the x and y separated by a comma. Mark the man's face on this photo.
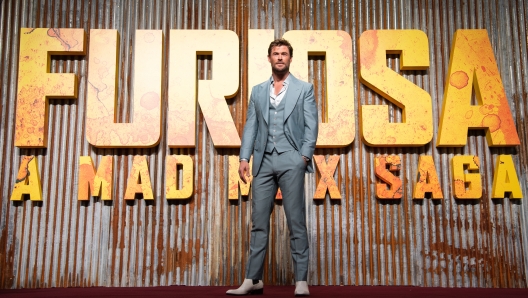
<point>280,59</point>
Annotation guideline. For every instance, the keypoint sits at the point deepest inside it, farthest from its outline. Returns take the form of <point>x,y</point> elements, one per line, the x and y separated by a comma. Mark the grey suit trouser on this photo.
<point>285,170</point>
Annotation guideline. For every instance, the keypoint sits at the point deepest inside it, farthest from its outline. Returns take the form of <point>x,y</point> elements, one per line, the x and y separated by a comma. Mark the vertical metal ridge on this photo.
<point>5,253</point>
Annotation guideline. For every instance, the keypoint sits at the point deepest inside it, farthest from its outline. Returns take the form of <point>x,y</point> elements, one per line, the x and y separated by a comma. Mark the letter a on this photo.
<point>139,180</point>
<point>27,181</point>
<point>505,179</point>
<point>473,66</point>
<point>427,179</point>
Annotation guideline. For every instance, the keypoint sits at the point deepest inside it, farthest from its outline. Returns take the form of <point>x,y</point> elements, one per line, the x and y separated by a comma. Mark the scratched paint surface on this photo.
<point>234,179</point>
<point>337,123</point>
<point>139,181</point>
<point>36,84</point>
<point>327,181</point>
<point>467,185</point>
<point>386,168</point>
<point>27,181</point>
<point>473,67</point>
<point>427,180</point>
<point>96,181</point>
<point>145,127</point>
<point>173,188</point>
<point>416,128</point>
<point>185,90</point>
<point>505,179</point>
<point>258,65</point>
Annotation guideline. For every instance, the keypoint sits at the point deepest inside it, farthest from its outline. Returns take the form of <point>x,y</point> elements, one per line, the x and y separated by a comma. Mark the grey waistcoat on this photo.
<point>276,138</point>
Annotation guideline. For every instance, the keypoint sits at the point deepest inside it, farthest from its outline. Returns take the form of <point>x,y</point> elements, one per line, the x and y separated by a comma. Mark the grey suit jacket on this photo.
<point>300,121</point>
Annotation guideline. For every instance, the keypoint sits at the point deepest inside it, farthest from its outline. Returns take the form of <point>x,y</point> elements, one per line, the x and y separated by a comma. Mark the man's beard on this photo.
<point>286,69</point>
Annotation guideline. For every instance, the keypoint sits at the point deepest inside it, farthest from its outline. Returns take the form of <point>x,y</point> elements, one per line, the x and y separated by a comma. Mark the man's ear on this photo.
<point>269,60</point>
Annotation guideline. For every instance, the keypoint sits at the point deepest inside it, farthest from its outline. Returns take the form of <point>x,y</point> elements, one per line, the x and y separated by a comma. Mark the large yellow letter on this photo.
<point>427,179</point>
<point>184,85</point>
<point>473,65</point>
<point>139,180</point>
<point>395,184</point>
<point>36,84</point>
<point>98,184</point>
<point>327,181</point>
<point>28,180</point>
<point>145,129</point>
<point>234,179</point>
<point>505,179</point>
<point>471,180</point>
<point>258,66</point>
<point>171,176</point>
<point>336,45</point>
<point>416,128</point>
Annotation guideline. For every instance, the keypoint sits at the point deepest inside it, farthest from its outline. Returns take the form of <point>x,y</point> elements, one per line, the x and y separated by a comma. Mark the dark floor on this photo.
<point>269,291</point>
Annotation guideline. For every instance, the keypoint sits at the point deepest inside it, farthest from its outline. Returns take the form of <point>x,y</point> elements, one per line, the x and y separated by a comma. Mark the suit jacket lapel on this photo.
<point>292,94</point>
<point>265,102</point>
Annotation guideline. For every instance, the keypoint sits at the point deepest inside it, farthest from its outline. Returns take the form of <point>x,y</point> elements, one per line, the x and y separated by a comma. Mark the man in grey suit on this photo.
<point>281,132</point>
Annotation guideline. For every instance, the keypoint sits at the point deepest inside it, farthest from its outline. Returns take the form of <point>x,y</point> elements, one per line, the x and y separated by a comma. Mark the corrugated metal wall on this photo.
<point>357,240</point>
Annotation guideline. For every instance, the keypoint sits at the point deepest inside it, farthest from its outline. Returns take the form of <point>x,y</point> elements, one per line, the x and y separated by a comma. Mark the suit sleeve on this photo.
<point>311,123</point>
<point>250,130</point>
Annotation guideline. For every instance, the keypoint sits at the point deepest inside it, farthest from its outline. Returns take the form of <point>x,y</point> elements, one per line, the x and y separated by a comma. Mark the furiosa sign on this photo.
<point>472,66</point>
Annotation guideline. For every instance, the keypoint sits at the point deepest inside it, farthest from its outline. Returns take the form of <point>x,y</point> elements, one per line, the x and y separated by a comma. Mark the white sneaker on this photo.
<point>301,289</point>
<point>248,288</point>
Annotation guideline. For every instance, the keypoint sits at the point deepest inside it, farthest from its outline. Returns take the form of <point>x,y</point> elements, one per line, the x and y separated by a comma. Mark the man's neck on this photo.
<point>279,77</point>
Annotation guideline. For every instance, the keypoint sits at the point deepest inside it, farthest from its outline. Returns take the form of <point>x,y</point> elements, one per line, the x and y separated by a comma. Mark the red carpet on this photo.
<point>269,291</point>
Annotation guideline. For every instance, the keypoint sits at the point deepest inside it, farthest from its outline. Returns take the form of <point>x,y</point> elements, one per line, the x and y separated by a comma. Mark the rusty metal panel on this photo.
<point>357,240</point>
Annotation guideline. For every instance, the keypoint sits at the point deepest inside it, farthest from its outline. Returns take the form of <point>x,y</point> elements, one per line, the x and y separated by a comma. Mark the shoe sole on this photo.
<point>254,292</point>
